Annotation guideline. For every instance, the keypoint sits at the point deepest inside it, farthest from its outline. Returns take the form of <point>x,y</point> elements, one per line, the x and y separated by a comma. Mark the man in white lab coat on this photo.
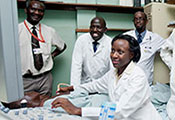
<point>150,43</point>
<point>91,58</point>
<point>91,55</point>
<point>168,56</point>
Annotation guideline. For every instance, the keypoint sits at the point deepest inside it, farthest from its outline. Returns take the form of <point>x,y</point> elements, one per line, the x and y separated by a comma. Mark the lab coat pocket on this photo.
<point>147,49</point>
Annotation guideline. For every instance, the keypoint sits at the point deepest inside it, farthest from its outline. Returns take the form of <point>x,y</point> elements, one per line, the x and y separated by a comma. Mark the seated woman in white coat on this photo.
<point>126,85</point>
<point>168,56</point>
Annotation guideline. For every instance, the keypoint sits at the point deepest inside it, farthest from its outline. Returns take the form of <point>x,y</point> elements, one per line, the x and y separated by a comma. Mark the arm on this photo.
<point>159,41</point>
<point>57,51</point>
<point>166,52</point>
<point>95,86</point>
<point>134,97</point>
<point>58,43</point>
<point>77,63</point>
<point>99,85</point>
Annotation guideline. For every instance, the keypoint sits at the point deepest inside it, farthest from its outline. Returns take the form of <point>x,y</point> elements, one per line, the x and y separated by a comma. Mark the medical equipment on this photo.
<point>37,113</point>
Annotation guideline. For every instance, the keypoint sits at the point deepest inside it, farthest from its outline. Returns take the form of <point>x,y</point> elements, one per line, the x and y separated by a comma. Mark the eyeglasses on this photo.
<point>140,19</point>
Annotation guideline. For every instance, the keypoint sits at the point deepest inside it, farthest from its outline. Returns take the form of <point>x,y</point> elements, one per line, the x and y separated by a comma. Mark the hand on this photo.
<point>64,90</point>
<point>67,106</point>
<point>52,56</point>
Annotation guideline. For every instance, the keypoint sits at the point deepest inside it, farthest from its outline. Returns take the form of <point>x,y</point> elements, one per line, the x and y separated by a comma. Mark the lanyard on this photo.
<point>42,39</point>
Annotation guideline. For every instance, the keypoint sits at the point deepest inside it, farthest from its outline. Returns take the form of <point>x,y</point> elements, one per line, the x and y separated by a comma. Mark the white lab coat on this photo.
<point>131,94</point>
<point>168,56</point>
<point>150,44</point>
<point>87,65</point>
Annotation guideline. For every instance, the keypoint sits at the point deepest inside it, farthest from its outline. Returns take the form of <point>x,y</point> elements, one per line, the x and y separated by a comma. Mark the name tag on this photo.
<point>37,51</point>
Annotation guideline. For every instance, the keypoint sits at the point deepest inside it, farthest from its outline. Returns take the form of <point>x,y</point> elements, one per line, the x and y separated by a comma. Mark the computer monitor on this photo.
<point>11,85</point>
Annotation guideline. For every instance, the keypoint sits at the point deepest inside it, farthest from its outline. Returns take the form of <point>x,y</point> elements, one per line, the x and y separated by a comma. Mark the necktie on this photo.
<point>139,38</point>
<point>95,43</point>
<point>38,60</point>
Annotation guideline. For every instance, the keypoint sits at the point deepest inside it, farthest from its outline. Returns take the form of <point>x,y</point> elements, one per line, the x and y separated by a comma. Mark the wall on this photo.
<point>65,23</point>
<point>159,15</point>
<point>117,20</point>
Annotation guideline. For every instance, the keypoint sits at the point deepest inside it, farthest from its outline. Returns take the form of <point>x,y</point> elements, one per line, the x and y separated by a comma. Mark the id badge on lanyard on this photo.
<point>37,51</point>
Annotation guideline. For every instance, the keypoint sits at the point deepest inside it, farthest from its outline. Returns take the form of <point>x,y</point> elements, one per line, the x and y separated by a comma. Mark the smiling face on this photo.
<point>120,54</point>
<point>140,21</point>
<point>97,28</point>
<point>35,12</point>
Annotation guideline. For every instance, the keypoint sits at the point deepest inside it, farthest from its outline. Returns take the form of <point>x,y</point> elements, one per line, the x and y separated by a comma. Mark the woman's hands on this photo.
<point>65,103</point>
<point>67,106</point>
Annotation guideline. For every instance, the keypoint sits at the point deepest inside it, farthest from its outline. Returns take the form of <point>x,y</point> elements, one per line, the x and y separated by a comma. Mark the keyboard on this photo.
<point>37,113</point>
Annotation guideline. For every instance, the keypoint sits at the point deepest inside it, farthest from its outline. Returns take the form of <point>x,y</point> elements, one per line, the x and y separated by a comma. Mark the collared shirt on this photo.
<point>51,39</point>
<point>142,34</point>
<point>151,43</point>
<point>87,65</point>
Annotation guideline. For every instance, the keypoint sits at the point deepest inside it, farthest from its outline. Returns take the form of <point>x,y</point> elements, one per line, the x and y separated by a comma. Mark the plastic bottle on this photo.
<point>107,111</point>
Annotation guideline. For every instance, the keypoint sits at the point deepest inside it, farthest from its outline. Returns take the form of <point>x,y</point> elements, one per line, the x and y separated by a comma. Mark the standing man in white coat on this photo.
<point>168,56</point>
<point>91,55</point>
<point>126,86</point>
<point>90,60</point>
<point>150,43</point>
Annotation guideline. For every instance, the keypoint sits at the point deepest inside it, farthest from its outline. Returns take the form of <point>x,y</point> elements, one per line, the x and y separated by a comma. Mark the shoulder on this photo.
<point>106,41</point>
<point>107,38</point>
<point>21,24</point>
<point>82,41</point>
<point>154,34</point>
<point>138,70</point>
<point>84,37</point>
<point>47,28</point>
<point>156,38</point>
<point>131,32</point>
<point>21,27</point>
<point>138,76</point>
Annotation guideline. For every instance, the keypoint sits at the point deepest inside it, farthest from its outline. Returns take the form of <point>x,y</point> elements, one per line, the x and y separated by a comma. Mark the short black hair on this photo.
<point>143,14</point>
<point>133,45</point>
<point>29,1</point>
<point>101,19</point>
